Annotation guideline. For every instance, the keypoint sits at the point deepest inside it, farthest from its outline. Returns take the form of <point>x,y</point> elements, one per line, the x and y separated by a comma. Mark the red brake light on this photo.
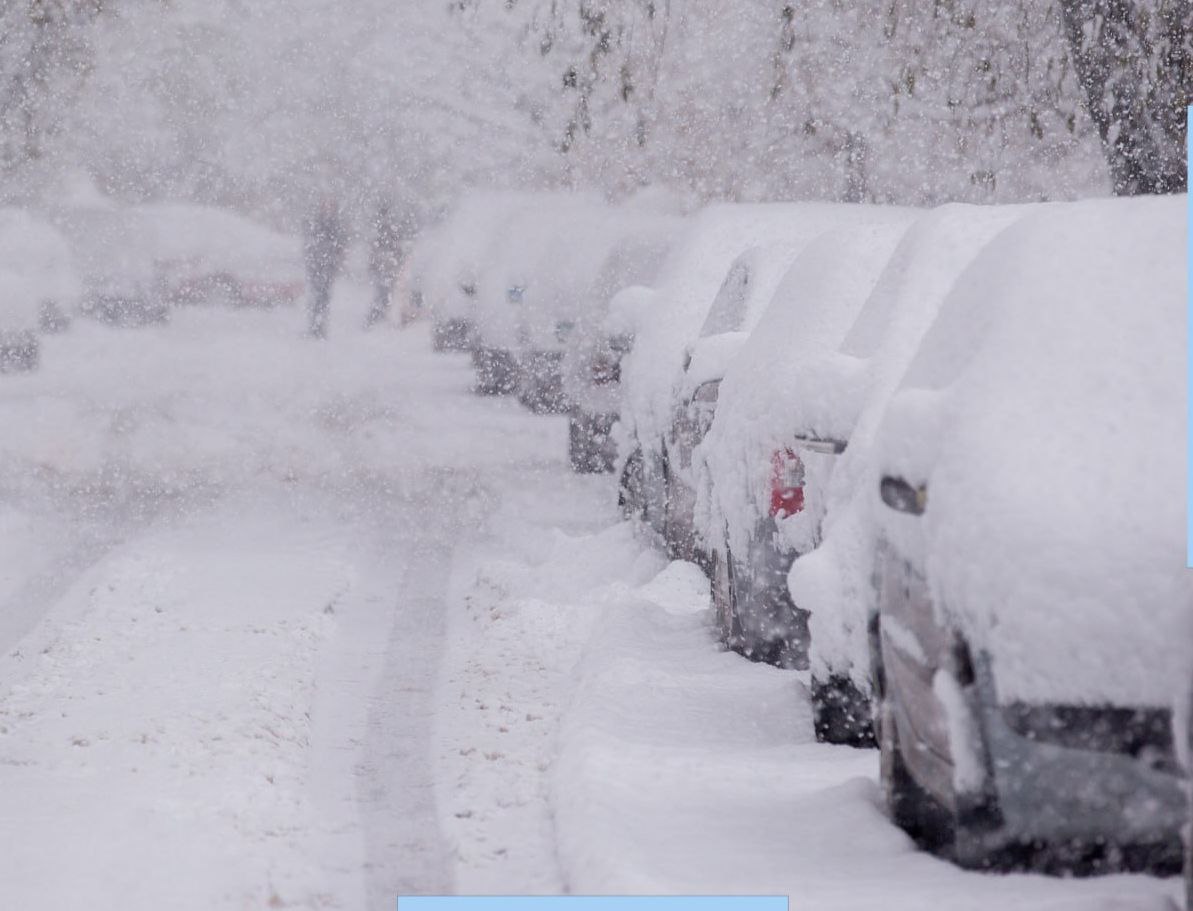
<point>787,484</point>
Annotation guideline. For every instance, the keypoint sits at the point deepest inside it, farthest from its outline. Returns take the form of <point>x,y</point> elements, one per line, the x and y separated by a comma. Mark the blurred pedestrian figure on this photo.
<point>325,244</point>
<point>385,260</point>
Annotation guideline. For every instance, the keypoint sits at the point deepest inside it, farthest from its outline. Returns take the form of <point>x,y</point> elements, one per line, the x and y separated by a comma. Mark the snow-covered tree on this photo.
<point>44,57</point>
<point>1135,61</point>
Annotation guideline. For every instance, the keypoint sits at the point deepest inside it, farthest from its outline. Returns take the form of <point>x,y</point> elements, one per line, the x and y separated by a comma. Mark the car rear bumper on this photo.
<point>496,370</point>
<point>540,383</point>
<point>1064,795</point>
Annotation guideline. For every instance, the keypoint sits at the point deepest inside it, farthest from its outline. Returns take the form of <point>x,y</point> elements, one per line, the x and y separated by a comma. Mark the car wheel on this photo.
<point>723,599</point>
<point>841,713</point>
<point>912,809</point>
<point>580,453</point>
<point>630,493</point>
<point>678,539</point>
<point>967,834</point>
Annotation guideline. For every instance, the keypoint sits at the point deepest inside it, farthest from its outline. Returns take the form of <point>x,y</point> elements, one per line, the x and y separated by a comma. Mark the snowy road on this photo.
<point>299,625</point>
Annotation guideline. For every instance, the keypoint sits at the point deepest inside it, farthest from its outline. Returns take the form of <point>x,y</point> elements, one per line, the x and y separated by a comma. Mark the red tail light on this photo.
<point>786,484</point>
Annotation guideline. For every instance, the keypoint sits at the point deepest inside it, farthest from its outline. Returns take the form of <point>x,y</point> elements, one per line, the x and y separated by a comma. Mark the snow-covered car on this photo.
<point>538,280</point>
<point>204,254</point>
<point>752,490</point>
<point>748,287</point>
<point>1033,600</point>
<point>688,283</point>
<point>38,287</point>
<point>453,255</point>
<point>112,247</point>
<point>594,347</point>
<point>833,401</point>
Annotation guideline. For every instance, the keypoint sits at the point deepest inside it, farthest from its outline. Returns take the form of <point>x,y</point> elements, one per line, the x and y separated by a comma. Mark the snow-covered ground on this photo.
<point>290,624</point>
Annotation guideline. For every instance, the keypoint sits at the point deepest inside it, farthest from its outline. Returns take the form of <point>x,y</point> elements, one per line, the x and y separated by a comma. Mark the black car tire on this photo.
<point>20,352</point>
<point>912,808</point>
<point>584,454</point>
<point>630,494</point>
<point>724,599</point>
<point>842,713</point>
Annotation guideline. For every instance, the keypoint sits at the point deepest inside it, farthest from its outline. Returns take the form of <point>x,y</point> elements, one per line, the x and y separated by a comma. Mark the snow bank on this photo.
<point>684,769</point>
<point>1045,410</point>
<point>520,610</point>
<point>833,581</point>
<point>592,728</point>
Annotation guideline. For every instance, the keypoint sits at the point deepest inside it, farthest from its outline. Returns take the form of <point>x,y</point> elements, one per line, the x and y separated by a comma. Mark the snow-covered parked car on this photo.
<point>204,254</point>
<point>538,279</point>
<point>667,320</point>
<point>453,255</point>
<point>595,345</point>
<point>112,247</point>
<point>753,495</point>
<point>835,398</point>
<point>38,287</point>
<point>748,287</point>
<point>1033,600</point>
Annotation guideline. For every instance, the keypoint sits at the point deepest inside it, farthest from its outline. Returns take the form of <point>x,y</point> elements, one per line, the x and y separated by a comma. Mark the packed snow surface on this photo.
<point>299,624</point>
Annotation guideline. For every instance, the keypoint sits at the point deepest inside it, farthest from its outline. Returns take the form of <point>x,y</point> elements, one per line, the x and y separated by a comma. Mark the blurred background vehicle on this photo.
<point>537,276</point>
<point>595,346</point>
<point>452,259</point>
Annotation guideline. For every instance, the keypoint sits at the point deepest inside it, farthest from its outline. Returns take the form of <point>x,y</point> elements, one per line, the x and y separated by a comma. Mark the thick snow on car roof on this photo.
<point>815,304</point>
<point>184,231</point>
<point>833,582</point>
<point>688,283</point>
<point>1046,411</point>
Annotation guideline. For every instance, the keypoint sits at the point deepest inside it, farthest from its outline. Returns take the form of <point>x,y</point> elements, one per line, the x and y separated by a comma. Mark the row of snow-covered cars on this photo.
<point>936,457</point>
<point>128,266</point>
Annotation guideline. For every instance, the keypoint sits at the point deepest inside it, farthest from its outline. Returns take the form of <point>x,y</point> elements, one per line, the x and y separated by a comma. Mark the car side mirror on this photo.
<point>902,497</point>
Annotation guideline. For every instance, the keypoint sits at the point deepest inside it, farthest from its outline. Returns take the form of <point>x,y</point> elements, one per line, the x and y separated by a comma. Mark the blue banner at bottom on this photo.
<point>593,903</point>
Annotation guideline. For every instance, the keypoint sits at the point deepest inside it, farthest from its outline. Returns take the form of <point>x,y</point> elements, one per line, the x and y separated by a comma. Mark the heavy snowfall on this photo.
<point>595,448</point>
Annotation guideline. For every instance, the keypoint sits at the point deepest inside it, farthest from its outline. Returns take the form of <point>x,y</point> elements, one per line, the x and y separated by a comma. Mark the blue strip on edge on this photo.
<point>593,903</point>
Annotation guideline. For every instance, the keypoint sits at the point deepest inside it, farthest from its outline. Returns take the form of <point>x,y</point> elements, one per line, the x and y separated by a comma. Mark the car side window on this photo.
<point>728,310</point>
